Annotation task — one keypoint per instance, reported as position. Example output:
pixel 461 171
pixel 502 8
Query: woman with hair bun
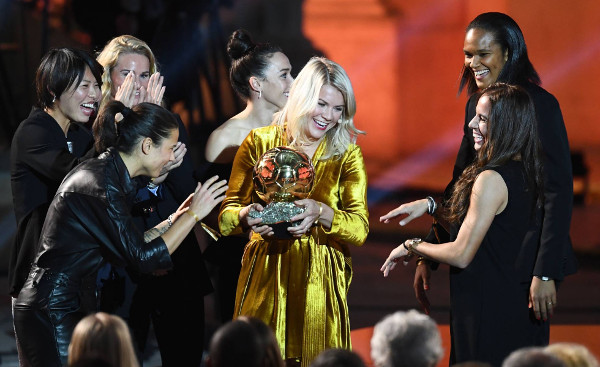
pixel 260 75
pixel 89 223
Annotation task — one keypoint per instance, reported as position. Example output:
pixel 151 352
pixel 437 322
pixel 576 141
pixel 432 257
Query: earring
pixel 259 94
pixel 339 121
pixel 54 99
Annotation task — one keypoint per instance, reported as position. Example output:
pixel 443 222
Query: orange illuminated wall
pixel 404 59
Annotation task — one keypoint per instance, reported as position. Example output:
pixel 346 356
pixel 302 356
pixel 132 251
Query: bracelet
pixel 191 212
pixel 420 260
pixel 151 185
pixel 411 244
pixel 431 205
pixel 316 223
pixel 544 279
pixel 170 220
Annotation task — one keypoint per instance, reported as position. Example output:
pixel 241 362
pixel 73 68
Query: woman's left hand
pixel 183 207
pixel 127 90
pixel 311 213
pixel 397 254
pixel 155 90
pixel 542 298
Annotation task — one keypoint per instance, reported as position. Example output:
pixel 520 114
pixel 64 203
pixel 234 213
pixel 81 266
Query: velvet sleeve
pixel 241 188
pixel 350 223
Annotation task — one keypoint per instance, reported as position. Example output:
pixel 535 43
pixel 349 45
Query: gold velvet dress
pixel 299 286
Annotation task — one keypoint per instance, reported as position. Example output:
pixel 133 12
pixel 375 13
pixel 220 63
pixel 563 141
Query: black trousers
pixel 47 310
pixel 177 318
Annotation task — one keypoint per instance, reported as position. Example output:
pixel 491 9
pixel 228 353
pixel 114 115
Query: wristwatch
pixel 411 244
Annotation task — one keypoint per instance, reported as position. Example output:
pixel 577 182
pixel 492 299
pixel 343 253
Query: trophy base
pixel 280 230
pixel 276 215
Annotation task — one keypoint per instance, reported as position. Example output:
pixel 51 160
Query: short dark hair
pixel 144 120
pixel 337 357
pixel 247 59
pixel 61 68
pixel 236 343
pixel 517 69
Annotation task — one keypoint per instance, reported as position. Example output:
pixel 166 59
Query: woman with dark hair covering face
pixel 131 75
pixel 494 203
pixel 89 223
pixel 495 51
pixel 46 146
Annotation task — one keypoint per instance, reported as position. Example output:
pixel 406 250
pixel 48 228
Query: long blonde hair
pixel 109 56
pixel 303 99
pixel 105 336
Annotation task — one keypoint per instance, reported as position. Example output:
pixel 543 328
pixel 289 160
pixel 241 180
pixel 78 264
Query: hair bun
pixel 240 43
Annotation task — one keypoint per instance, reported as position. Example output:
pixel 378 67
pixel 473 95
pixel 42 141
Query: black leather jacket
pixel 89 222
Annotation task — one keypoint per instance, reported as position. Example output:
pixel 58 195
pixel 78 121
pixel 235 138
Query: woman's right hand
pixel 207 196
pixel 398 254
pixel 414 210
pixel 155 89
pixel 255 223
pixel 126 92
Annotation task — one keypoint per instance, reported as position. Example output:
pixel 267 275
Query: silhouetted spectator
pixel 532 357
pixel 573 354
pixel 236 343
pixel 406 339
pixel 337 357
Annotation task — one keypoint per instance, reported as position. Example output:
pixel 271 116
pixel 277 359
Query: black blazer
pixel 39 160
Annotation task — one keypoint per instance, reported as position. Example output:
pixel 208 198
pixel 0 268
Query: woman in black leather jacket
pixel 89 223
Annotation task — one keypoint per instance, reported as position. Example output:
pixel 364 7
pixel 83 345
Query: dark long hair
pixel 60 69
pixel 517 69
pixel 511 133
pixel 247 59
pixel 144 120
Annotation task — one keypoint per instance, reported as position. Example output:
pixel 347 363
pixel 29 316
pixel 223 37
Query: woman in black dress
pixel 495 202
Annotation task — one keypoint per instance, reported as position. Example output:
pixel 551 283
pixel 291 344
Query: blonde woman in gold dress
pixel 299 286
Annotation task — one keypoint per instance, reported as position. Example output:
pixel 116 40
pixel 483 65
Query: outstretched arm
pixel 413 209
pixel 489 198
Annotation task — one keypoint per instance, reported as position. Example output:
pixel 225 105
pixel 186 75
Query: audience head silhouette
pixel 236 343
pixel 573 354
pixel 100 338
pixel 337 357
pixel 405 339
pixel 532 357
